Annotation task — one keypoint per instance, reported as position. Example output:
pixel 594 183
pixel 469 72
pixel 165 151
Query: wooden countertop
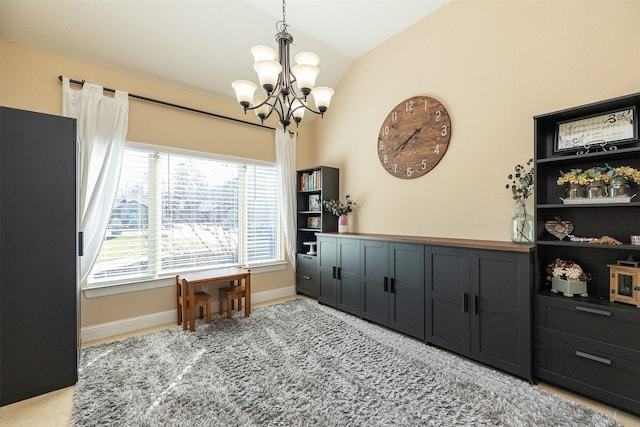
pixel 438 241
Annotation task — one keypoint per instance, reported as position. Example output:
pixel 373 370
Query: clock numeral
pixel 437 149
pixel 385 159
pixel 395 168
pixel 423 164
pixel 409 106
pixel 394 116
pixel 409 171
pixel 445 130
pixel 380 144
pixel 385 131
pixel 438 115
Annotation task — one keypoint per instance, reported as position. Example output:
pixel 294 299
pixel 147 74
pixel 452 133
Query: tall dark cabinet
pixel 314 185
pixel 38 254
pixel 589 345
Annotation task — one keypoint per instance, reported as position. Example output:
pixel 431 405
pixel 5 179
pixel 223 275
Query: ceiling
pixel 204 45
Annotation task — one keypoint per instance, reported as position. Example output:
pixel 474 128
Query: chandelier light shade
pixel 287 88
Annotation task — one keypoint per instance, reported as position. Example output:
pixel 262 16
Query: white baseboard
pixel 132 324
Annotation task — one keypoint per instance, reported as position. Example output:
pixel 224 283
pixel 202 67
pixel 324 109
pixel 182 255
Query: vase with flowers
pixel 620 178
pixel 577 181
pixel 567 277
pixel 341 210
pixel 521 186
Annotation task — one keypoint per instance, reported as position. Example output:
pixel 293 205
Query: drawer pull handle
pixel 306 277
pixel 594 358
pixel 593 310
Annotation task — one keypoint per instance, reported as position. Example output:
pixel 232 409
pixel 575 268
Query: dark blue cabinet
pixel 38 254
pixel 392 277
pixel 478 304
pixel 340 273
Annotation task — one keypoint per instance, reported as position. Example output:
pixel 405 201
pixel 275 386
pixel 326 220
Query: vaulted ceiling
pixel 204 45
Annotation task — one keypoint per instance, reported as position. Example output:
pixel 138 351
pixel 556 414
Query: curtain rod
pixel 169 104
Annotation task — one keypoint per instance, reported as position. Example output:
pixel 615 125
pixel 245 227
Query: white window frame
pixel 104 288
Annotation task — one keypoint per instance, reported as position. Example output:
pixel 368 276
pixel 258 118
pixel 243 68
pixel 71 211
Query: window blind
pixel 177 212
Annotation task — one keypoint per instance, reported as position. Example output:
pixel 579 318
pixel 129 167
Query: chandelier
pixel 287 88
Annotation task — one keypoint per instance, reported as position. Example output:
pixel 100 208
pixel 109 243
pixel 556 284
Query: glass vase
pixel 576 191
pixel 619 187
pixel 596 189
pixel 522 228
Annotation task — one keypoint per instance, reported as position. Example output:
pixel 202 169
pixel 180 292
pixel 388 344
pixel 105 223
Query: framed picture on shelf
pixel 603 131
pixel 313 222
pixel 314 202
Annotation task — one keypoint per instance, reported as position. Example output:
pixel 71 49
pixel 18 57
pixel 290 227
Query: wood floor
pixel 55 409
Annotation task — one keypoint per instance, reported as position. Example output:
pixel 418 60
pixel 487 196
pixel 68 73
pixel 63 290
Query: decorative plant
pixel 574 176
pixel 338 208
pixel 521 182
pixel 597 173
pixel 631 174
pixel 567 270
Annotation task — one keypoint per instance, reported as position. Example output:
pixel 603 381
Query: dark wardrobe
pixel 39 290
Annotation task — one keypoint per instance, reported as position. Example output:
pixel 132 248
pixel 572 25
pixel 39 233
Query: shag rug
pixel 302 364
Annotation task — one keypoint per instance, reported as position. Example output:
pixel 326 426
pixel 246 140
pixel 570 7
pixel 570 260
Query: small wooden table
pixel 209 277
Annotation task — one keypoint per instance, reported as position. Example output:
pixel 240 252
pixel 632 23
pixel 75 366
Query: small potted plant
pixel 341 210
pixel 521 187
pixel 568 277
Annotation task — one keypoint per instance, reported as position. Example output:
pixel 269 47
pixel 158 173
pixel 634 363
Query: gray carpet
pixel 303 364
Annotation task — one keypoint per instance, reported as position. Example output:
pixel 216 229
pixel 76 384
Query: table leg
pixel 192 311
pixel 247 297
pixel 183 289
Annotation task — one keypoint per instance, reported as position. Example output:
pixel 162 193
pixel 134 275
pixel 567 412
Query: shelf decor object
pixel 624 284
pixel 521 186
pixel 600 130
pixel 559 228
pixel 568 278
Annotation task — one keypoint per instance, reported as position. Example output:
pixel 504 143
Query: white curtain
pixel 102 129
pixel 286 166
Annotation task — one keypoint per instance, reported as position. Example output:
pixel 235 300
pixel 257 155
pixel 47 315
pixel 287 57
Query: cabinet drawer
pixel 307 262
pixel 308 282
pixel 618 326
pixel 586 371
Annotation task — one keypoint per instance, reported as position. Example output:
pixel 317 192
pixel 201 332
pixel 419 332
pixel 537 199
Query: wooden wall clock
pixel 414 137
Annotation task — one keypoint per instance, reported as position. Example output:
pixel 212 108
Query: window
pixel 178 211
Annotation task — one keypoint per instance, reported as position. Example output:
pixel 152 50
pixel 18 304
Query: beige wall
pixel 29 79
pixel 494 65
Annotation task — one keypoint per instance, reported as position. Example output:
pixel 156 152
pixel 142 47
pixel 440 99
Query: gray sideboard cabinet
pixel 393 285
pixel 339 273
pixel 478 304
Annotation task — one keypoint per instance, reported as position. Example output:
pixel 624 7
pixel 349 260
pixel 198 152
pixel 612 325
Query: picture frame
pixel 314 202
pixel 313 222
pixel 603 130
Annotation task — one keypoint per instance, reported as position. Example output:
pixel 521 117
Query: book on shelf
pixel 310 180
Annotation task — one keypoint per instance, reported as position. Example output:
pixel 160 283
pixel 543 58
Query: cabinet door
pixel 348 275
pixel 38 255
pixel 328 265
pixel 500 320
pixel 406 288
pixel 447 298
pixel 374 281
